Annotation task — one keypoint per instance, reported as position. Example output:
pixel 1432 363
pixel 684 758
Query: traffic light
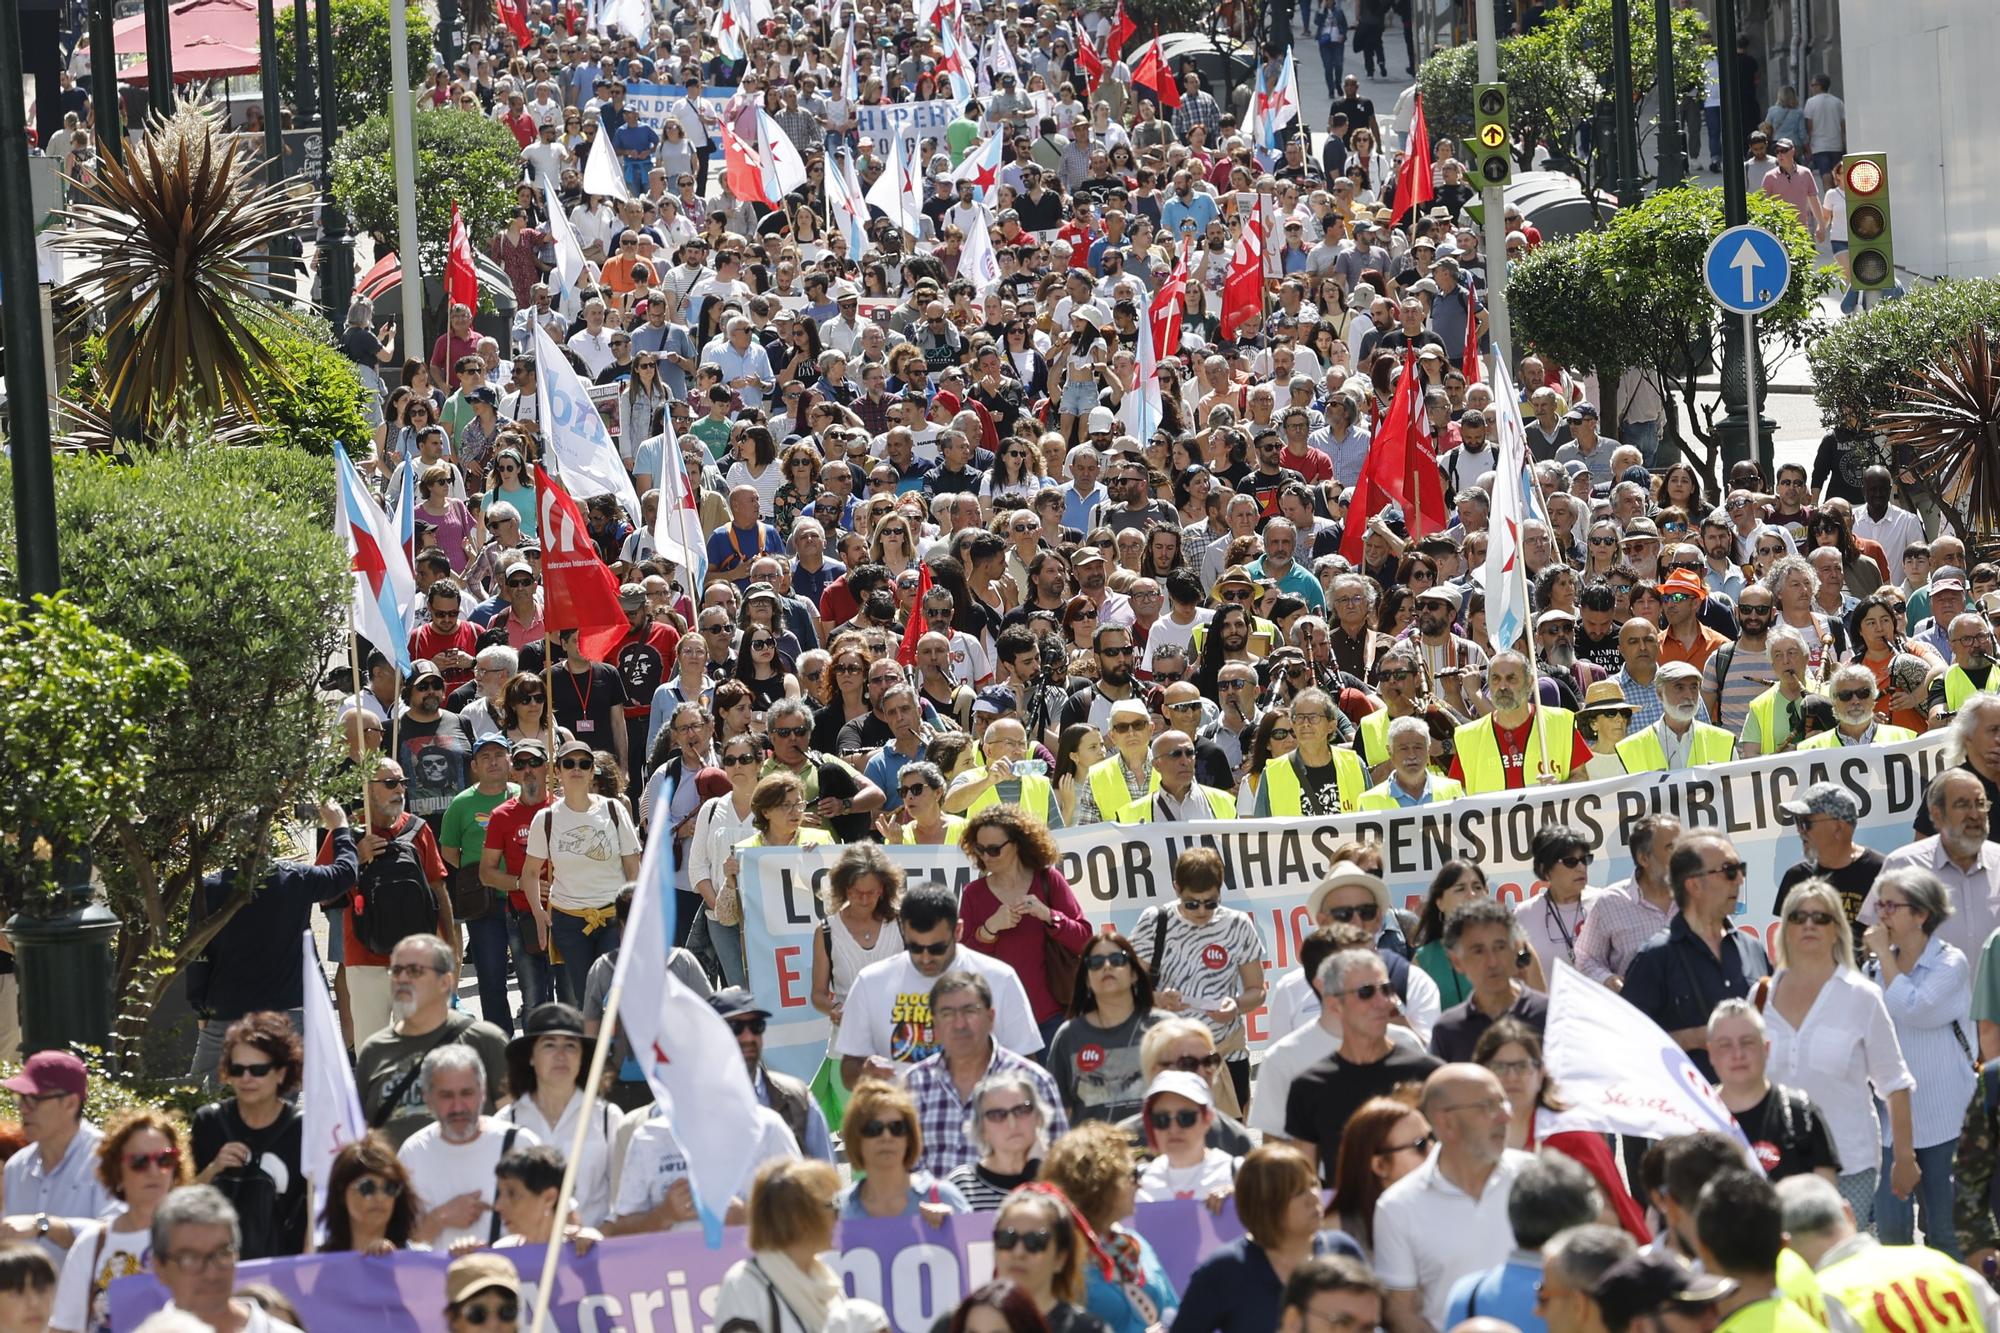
pixel 1492 143
pixel 1871 254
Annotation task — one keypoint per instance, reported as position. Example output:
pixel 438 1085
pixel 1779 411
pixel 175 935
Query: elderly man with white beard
pixel 1677 741
pixel 1852 689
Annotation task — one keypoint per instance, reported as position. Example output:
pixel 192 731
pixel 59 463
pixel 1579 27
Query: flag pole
pixel 1547 773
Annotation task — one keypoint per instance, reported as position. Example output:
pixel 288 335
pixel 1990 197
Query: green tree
pixel 1632 295
pixel 1861 365
pixel 462 156
pixel 226 559
pixel 76 702
pixel 361 70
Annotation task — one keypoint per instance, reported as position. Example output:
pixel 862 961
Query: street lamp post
pixel 1740 356
pixel 159 57
pixel 1672 168
pixel 336 244
pixel 1624 115
pixel 104 81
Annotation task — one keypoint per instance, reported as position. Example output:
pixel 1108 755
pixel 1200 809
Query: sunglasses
pixel 534 698
pixel 501 1312
pixel 521 583
pixel 390 1189
pixel 577 765
pixel 937 950
pixel 1575 860
pixel 1728 870
pixel 895 1129
pixel 260 1070
pixel 754 1026
pixel 1201 904
pixel 1098 962
pixel 1281 733
pixel 1034 1242
pixel 1196 1064
pixel 1364 912
pixel 1422 1145
pixel 991 848
pixel 763 643
pixel 165 1160
pixel 1803 917
pixel 1168 1119
pixel 999 1115
pixel 391 783
pixel 1370 990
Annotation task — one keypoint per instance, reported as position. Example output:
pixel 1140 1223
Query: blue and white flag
pixel 1516 501
pixel 574 434
pixel 329 1108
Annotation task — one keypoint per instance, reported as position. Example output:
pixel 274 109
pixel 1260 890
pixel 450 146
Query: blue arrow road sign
pixel 1747 270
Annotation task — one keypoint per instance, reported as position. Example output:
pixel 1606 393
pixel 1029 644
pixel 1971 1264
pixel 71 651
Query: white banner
pixel 905 120
pixel 1120 870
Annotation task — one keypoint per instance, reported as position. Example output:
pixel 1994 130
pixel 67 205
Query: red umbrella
pixel 211 39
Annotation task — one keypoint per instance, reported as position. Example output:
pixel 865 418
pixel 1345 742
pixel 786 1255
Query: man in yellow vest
pixel 1852 689
pixel 1739 1233
pixel 1399 680
pixel 1851 1267
pixel 1124 775
pixel 1677 741
pixel 1318 777
pixel 1177 796
pixel 1522 742
pixel 1410 781
pixel 1972 671
pixel 1005 745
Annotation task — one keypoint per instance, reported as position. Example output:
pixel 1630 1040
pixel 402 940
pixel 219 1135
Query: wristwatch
pixel 41 1226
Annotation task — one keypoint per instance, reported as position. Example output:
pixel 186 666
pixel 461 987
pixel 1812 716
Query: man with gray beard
pixel 1677 741
pixel 423 976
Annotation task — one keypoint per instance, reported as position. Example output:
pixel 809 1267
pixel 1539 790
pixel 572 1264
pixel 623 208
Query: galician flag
pixel 570 263
pixel 573 431
pixel 1516 500
pixel 892 191
pixel 977 263
pixel 850 70
pixel 982 167
pixel 953 66
pixel 384 586
pixel 1141 409
pixel 329 1108
pixel 846 208
pixel 780 167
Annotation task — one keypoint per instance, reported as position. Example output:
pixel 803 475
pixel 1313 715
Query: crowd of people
pixel 965 586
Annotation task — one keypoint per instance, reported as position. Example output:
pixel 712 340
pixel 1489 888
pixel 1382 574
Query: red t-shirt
pixel 428 643
pixel 507 830
pixel 1313 465
pixel 435 870
pixel 1513 742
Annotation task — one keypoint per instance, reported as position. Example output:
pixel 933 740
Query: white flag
pixel 1141 410
pixel 690 1057
pixel 784 170
pixel 570 263
pixel 603 174
pixel 1619 1073
pixel 329 1109
pixel 1516 500
pixel 677 533
pixel 846 209
pixel 573 433
pixel 977 263
pixel 890 192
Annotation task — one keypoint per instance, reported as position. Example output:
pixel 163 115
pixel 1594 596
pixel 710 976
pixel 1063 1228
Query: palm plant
pixel 1946 432
pixel 170 244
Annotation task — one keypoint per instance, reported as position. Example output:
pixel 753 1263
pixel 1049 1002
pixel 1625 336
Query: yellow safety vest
pixel 1286 789
pixel 1903 1289
pixel 1375 737
pixel 1800 1284
pixel 1764 712
pixel 1035 793
pixel 1646 753
pixel 1379 797
pixel 1773 1314
pixel 1141 810
pixel 1884 735
pixel 1109 788
pixel 1958 686
pixel 953 826
pixel 1479 749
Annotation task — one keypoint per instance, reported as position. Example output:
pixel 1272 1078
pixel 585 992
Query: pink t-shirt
pixel 1795 188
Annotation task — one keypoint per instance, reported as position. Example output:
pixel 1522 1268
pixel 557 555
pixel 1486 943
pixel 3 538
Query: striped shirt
pixel 1750 674
pixel 942 1113
pixel 1619 924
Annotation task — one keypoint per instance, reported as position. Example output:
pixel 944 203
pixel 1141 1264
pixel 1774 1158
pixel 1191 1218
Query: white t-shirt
pixel 89 1270
pixel 1160 1182
pixel 654 1161
pixel 441 1171
pixel 970 664
pixel 1429 1233
pixel 888 1010
pixel 1200 960
pixel 588 845
pixel 1170 633
pixel 593 1175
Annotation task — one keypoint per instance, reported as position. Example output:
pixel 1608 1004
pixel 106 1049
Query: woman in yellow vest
pixel 922 821
pixel 1772 723
pixel 1318 777
pixel 1110 785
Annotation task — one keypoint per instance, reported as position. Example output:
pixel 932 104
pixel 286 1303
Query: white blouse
pixel 1843 1056
pixel 1926 1003
pixel 717 830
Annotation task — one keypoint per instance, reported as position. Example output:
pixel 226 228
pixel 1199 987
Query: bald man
pixel 733 551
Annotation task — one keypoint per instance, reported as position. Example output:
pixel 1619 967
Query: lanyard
pixel 582 692
pixel 1562 929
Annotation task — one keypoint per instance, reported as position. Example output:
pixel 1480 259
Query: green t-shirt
pixel 714 434
pixel 959 136
pixel 465 822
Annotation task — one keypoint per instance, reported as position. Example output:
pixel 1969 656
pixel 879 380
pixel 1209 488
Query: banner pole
pixel 1547 772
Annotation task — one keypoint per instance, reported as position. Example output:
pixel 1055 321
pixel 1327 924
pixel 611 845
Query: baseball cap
pixel 1947 577
pixel 632 596
pixel 474 1273
pixel 423 669
pixel 1102 419
pixel 1442 592
pixel 1824 798
pixel 995 699
pixel 737 1002
pixel 1677 671
pixel 1582 410
pixel 1182 1084
pixel 47 1073
pixel 531 748
pixel 492 738
pixel 568 748
pixel 1644 1282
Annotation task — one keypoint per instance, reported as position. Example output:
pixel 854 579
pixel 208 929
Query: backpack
pixel 395 899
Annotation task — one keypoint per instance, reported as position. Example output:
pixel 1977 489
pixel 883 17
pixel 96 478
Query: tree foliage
pixel 226 559
pixel 462 156
pixel 75 747
pixel 361 70
pixel 1632 295
pixel 1861 364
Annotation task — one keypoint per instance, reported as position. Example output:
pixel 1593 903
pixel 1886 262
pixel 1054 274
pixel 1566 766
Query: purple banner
pixel 667 1282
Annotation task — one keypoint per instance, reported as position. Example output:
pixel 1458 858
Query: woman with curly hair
pixel 1020 902
pixel 141 1157
pixel 801 485
pixel 1094 1168
pixel 234 1138
pixel 371 1207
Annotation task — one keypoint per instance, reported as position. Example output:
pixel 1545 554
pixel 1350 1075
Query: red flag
pixel 1413 178
pixel 579 590
pixel 1087 59
pixel 1469 360
pixel 1122 28
pixel 920 624
pixel 510 14
pixel 461 279
pixel 1402 469
pixel 1152 74
pixel 1168 308
pixel 744 171
pixel 1243 284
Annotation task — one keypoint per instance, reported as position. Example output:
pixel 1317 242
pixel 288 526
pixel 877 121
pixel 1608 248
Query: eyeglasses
pixel 1034 1242
pixel 389 1189
pixel 1575 860
pixel 1360 912
pixel 1196 1064
pixel 165 1160
pixel 1804 917
pixel 895 1129
pixel 999 1115
pixel 1422 1145
pixel 212 1262
pixel 260 1070
pixel 1199 905
pixel 1169 1119
pixel 503 1311
pixel 1731 870
pixel 411 971
pixel 754 1026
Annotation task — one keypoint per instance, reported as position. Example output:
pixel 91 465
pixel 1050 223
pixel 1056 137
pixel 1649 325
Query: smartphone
pixel 757 724
pixel 1031 768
